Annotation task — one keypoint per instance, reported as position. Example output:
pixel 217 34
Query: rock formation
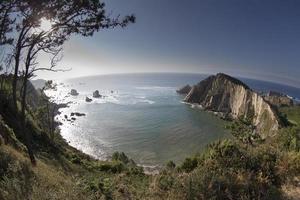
pixel 278 99
pixel 88 99
pixel 74 92
pixel 234 99
pixel 77 114
pixel 96 94
pixel 184 90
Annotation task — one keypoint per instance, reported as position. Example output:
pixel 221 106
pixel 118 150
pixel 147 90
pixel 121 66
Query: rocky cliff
pixel 234 99
pixel 184 90
pixel 278 99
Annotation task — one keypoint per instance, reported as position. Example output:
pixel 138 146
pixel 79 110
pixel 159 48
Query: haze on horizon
pixel 254 38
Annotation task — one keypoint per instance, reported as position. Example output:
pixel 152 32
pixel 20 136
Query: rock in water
pixel 231 97
pixel 88 99
pixel 74 92
pixel 96 94
pixel 77 114
pixel 184 90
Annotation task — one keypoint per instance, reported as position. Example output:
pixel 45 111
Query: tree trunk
pixel 15 79
pixel 49 119
pixel 27 134
pixel 17 56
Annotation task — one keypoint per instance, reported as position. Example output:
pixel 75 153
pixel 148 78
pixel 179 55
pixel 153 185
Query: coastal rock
pixel 96 94
pixel 77 114
pixel 234 99
pixel 277 99
pixel 88 99
pixel 74 92
pixel 184 90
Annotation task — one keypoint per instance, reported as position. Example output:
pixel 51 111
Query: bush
pixel 165 181
pixel 289 139
pixel 76 159
pixel 189 164
pixel 114 167
pixel 170 165
pixel 120 157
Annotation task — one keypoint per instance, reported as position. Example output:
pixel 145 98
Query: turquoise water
pixel 143 116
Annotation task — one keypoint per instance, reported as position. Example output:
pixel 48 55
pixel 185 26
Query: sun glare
pixel 45 25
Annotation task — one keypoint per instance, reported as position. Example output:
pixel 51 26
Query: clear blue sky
pixel 250 38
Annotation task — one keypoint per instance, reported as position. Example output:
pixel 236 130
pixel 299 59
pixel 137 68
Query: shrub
pixel 114 167
pixel 117 156
pixel 76 159
pixel 289 139
pixel 189 164
pixel 165 181
pixel 171 165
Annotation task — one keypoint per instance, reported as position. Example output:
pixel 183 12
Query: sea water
pixel 141 115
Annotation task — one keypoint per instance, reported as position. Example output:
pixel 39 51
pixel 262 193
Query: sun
pixel 45 25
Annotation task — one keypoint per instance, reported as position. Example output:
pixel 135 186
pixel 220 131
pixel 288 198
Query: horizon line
pixel 166 72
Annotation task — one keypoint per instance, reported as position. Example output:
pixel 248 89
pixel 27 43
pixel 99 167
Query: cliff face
pixel 234 99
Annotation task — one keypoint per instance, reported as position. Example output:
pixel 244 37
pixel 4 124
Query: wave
pixel 193 105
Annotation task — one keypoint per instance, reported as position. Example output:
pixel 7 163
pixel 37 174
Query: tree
pixel 68 17
pixel 6 9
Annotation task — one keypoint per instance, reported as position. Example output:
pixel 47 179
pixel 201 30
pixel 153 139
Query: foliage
pixel 189 164
pixel 120 156
pixel 16 176
pixel 292 113
pixel 244 131
pixel 170 165
pixel 289 139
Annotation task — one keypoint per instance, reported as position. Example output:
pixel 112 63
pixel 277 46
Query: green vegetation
pixel 292 113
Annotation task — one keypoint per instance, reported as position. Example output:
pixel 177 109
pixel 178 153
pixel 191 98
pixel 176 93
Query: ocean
pixel 141 115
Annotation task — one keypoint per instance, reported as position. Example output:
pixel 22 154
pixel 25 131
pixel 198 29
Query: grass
pixel 292 114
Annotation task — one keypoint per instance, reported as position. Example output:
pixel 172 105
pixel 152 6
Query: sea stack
pixel 234 99
pixel 88 99
pixel 96 94
pixel 74 92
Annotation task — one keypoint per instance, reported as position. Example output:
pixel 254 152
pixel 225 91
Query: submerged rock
pixel 96 94
pixel 88 99
pixel 74 92
pixel 231 97
pixel 184 90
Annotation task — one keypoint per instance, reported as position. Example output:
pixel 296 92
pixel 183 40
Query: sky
pixel 246 38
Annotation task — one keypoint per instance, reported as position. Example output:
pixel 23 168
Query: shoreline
pixel 148 169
